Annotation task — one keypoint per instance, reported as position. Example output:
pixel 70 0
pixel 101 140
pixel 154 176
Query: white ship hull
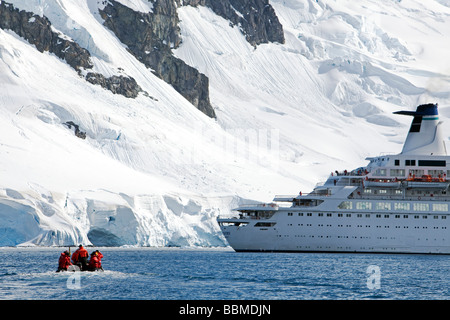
pixel 332 231
pixel 396 204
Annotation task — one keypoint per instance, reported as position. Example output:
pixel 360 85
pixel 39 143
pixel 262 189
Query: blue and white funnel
pixel 424 136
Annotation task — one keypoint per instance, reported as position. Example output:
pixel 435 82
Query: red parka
pixel 99 256
pixel 80 253
pixel 94 263
pixel 64 261
pixel 96 260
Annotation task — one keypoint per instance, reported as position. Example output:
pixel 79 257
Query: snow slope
pixel 157 171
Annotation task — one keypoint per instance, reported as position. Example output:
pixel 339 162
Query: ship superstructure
pixel 396 204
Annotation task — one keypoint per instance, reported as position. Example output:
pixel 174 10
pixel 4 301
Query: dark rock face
pixel 125 86
pixel 80 134
pixel 256 18
pixel 37 30
pixel 150 38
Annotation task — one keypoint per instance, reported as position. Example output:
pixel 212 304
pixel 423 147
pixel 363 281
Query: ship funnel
pixel 424 136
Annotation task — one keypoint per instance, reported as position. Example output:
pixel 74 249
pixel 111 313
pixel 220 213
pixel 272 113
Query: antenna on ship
pixel 424 136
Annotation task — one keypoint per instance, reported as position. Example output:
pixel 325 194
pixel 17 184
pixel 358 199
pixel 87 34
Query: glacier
pixel 154 170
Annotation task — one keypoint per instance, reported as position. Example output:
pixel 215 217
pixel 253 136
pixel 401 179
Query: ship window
pixel 345 205
pixel 401 206
pixel 410 162
pixel 421 207
pixel 417 173
pixel 382 206
pixel 265 224
pixel 363 205
pixel 440 207
pixel 397 172
pixel 397 162
pixel 436 173
pixel 309 202
pixel 432 163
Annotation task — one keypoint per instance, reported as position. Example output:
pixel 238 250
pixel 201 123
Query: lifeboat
pixel 382 183
pixel 426 181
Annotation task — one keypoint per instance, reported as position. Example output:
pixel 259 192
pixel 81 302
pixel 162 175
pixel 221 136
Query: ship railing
pixel 259 216
pixel 291 198
pixel 280 198
pixel 260 205
pixel 230 217
pixel 285 198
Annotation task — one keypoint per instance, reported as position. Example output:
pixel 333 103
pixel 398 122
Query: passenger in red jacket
pixel 64 261
pixel 80 257
pixel 95 263
pixel 99 256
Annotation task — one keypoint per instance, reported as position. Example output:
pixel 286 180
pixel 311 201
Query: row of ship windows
pixel 344 248
pixel 354 237
pixel 378 249
pixel 366 226
pixel 366 205
pixel 367 215
pixel 417 172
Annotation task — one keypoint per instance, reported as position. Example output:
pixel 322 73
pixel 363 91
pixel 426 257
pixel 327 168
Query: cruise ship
pixel 396 204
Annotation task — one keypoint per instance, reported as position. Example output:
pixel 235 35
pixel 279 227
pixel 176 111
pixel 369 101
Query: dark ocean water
pixel 222 274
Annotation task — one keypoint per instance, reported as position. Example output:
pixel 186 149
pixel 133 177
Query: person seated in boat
pixel 95 263
pixel 64 261
pixel 80 257
pixel 99 256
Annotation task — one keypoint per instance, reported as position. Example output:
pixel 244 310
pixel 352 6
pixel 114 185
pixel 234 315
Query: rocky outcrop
pixel 256 18
pixel 125 86
pixel 150 37
pixel 37 30
pixel 80 134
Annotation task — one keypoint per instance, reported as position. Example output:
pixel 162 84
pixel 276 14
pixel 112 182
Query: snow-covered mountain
pixel 158 156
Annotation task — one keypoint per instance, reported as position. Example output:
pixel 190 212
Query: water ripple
pixel 218 274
